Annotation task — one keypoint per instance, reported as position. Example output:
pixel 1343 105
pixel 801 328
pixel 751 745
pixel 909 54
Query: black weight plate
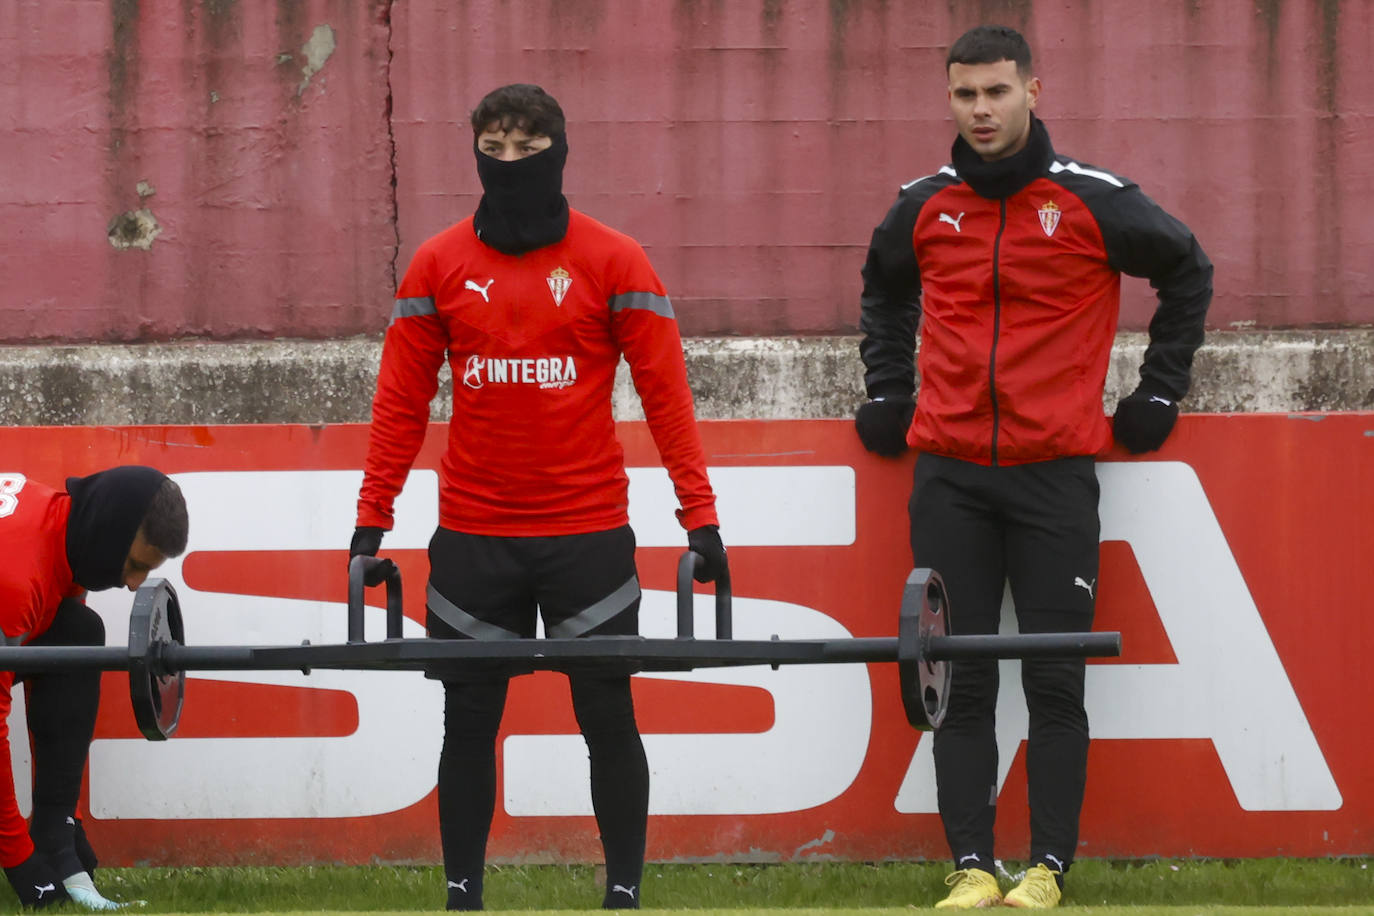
pixel 935 675
pixel 924 683
pixel 157 695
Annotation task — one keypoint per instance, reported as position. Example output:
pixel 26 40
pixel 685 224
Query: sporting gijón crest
pixel 559 281
pixel 1049 216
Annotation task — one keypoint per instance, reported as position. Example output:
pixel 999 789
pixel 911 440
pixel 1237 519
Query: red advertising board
pixel 1236 722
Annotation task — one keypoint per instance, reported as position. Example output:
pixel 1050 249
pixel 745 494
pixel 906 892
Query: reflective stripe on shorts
pixel 462 621
pixel 592 617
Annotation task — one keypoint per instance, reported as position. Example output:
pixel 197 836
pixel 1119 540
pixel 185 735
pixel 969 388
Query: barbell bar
pixel 157 657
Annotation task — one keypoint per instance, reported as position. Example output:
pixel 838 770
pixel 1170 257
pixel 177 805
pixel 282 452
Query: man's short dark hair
pixel 520 106
pixel 988 44
pixel 165 524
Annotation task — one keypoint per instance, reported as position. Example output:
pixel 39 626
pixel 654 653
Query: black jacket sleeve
pixel 891 302
pixel 1142 240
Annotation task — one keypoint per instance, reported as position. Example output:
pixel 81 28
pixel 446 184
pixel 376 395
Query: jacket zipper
pixel 996 325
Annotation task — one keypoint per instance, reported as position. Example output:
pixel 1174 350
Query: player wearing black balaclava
pixel 522 206
pixel 534 305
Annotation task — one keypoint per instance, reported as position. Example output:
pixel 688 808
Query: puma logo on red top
pixel 468 284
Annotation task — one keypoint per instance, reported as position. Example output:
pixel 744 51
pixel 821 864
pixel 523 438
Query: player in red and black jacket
pixel 1010 260
pixel 106 530
pixel 533 304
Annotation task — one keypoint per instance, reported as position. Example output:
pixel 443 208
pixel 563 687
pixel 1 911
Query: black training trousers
pixel 61 713
pixel 1035 527
pixel 485 587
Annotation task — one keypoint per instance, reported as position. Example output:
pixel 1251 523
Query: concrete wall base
pixel 284 381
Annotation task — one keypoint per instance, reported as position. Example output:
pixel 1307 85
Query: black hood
pixel 107 510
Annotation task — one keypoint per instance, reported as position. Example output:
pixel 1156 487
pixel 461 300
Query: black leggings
pixel 492 587
pixel 1034 526
pixel 467 776
pixel 61 712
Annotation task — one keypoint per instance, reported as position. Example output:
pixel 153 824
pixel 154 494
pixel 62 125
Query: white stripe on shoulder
pixel 1088 173
pixel 944 170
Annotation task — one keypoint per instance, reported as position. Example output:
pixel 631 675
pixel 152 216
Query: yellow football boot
pixel 971 888
pixel 1039 890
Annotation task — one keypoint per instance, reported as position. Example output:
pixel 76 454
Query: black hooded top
pixel 108 508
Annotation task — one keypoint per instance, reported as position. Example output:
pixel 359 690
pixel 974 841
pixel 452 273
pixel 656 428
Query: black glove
pixel 882 424
pixel 35 882
pixel 1144 420
pixel 367 540
pixel 705 541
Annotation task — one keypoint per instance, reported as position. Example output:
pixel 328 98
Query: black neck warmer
pixel 523 207
pixel 1004 177
pixel 107 510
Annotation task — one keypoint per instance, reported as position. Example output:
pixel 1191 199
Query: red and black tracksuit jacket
pixel 1020 288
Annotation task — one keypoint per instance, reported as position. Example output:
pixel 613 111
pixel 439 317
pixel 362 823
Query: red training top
pixel 36 579
pixel 533 341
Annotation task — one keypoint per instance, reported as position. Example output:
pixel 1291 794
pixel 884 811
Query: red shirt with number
pixel 533 341
pixel 35 579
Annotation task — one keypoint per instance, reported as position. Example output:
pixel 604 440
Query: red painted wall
pixel 750 146
pixel 272 192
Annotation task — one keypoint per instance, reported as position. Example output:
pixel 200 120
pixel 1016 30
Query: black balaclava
pixel 523 207
pixel 1004 177
pixel 107 511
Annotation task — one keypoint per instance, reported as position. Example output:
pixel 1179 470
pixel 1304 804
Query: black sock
pixel 1054 864
pixel 620 896
pixel 53 830
pixel 465 893
pixel 84 852
pixel 976 860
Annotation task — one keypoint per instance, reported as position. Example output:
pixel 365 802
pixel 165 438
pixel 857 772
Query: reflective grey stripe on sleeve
pixel 462 621
pixel 408 308
pixel 14 640
pixel 594 616
pixel 659 305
